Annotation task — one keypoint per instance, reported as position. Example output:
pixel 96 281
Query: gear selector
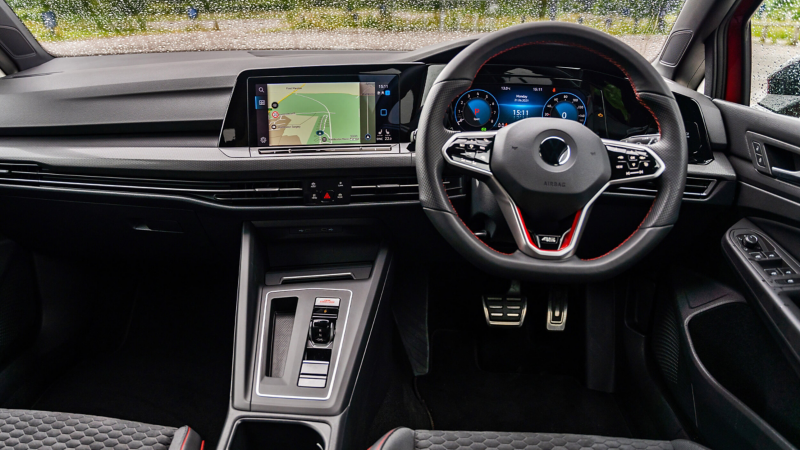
pixel 321 331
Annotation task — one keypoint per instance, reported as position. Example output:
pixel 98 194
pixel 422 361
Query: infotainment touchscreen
pixel 323 111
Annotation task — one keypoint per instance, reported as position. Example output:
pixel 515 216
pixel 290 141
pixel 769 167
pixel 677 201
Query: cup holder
pixel 265 435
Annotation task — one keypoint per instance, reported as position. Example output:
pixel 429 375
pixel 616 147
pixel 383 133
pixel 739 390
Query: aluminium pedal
pixel 557 303
pixel 507 310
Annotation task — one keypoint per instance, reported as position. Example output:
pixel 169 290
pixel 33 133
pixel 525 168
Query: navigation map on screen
pixel 318 113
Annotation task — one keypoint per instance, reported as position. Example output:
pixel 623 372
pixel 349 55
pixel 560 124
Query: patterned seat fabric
pixel 42 430
pixel 405 439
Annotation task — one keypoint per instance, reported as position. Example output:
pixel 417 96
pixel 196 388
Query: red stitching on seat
pixel 385 437
pixel 185 438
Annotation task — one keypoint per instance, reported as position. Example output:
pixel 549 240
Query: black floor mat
pixel 461 396
pixel 172 369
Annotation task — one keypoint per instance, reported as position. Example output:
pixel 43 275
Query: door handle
pixel 791 175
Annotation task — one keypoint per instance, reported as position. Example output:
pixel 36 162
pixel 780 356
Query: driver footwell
pixel 462 395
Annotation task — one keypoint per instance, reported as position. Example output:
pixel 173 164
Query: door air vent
pixel 397 189
pixel 695 188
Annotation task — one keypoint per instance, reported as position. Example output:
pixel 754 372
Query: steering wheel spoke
pixel 632 162
pixel 537 239
pixel 470 151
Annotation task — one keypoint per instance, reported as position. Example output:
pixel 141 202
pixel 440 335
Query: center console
pixel 311 323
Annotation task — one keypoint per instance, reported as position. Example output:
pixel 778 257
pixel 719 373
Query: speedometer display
pixel 502 95
pixel 476 110
pixel 565 105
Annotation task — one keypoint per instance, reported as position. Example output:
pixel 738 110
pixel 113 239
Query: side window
pixel 775 65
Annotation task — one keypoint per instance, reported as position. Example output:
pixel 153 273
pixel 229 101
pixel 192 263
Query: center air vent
pixel 396 189
pixel 272 192
pixel 235 193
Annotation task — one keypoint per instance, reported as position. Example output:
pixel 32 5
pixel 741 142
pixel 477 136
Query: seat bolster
pixel 186 439
pixel 397 439
pixel 682 444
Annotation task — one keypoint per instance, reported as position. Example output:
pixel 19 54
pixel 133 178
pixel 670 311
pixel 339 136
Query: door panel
pixel 758 362
pixel 742 124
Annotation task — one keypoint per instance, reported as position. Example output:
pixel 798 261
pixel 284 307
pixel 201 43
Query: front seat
pixel 22 429
pixel 407 439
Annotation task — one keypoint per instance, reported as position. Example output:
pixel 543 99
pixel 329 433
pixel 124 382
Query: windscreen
pixel 94 27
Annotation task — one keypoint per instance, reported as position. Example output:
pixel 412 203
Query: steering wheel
pixel 546 173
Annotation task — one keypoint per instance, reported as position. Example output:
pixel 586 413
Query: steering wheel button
pixel 482 157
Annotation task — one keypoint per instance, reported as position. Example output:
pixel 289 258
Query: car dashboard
pixel 200 128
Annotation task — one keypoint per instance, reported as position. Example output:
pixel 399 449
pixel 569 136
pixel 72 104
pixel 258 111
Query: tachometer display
pixel 566 106
pixel 476 110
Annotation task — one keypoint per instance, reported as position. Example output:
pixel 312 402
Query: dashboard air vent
pixel 269 193
pixel 396 189
pixel 695 188
pixel 272 192
pixel 20 172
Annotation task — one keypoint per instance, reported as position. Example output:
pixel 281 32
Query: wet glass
pixel 93 27
pixel 775 83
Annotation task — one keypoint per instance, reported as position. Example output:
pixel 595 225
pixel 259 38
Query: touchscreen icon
pixel 275 114
pixel 261 90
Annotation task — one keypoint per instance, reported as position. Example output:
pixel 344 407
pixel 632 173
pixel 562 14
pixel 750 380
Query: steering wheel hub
pixel 550 167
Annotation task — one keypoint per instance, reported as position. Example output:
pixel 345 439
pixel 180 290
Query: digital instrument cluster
pixel 502 95
pixel 494 107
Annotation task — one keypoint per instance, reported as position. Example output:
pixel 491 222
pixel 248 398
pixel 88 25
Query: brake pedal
pixel 557 309
pixel 507 310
